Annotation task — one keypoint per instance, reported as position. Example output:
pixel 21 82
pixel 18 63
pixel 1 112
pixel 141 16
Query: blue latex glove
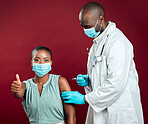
pixel 82 80
pixel 73 97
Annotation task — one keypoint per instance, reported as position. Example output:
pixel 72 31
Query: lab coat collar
pixel 111 26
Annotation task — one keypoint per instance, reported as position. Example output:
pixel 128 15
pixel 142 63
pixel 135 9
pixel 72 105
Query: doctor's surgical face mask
pixel 91 32
pixel 41 69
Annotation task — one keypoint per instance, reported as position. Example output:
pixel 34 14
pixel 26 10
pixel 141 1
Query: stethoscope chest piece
pixel 99 58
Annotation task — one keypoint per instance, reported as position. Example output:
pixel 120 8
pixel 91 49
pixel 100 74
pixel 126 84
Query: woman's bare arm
pixel 69 108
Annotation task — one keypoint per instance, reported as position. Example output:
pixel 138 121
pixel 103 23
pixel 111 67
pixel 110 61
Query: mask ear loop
pixel 96 23
pixel 100 25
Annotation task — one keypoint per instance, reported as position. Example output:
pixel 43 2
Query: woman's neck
pixel 41 80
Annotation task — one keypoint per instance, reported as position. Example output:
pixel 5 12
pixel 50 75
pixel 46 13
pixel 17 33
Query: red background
pixel 25 24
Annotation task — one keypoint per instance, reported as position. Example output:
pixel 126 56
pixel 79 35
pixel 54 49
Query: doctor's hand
pixel 82 80
pixel 73 97
pixel 15 86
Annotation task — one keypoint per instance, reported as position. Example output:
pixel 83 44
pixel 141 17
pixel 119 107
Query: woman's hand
pixel 18 88
pixel 15 86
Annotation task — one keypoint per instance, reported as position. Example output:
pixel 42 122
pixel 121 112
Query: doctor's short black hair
pixel 94 6
pixel 41 48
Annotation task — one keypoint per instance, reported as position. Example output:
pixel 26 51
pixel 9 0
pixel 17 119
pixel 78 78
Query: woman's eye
pixel 46 60
pixel 36 60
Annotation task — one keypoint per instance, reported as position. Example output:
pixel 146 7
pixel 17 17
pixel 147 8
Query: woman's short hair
pixel 41 48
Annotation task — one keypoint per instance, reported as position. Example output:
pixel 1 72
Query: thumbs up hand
pixel 15 86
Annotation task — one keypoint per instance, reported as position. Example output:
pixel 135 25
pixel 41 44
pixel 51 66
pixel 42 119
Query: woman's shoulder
pixel 54 76
pixel 63 84
pixel 62 79
pixel 27 81
pixel 59 77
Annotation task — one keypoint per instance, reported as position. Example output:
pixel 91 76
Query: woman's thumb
pixel 18 79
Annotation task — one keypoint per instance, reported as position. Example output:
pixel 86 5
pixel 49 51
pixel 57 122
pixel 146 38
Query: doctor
pixel 111 84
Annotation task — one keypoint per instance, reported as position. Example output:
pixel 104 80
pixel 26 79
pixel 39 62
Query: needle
pixel 77 78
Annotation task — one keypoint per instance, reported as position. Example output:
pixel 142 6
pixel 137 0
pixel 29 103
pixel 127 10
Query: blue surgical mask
pixel 41 69
pixel 91 32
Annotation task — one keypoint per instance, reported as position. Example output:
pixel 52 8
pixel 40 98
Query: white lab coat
pixel 113 92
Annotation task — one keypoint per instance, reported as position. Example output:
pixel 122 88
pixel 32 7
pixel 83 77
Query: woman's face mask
pixel 41 62
pixel 41 69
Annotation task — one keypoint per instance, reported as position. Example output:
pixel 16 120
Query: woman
pixel 42 94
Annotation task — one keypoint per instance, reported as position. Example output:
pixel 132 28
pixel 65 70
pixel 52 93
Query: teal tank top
pixel 47 108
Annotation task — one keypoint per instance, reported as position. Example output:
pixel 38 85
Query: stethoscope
pixel 98 58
